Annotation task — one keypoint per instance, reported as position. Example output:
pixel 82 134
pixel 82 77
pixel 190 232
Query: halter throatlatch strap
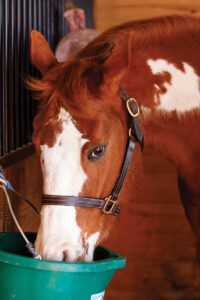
pixel 109 205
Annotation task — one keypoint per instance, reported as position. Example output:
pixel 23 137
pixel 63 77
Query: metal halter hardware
pixel 109 205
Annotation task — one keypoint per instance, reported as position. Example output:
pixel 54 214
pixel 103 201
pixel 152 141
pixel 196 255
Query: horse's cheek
pixel 92 221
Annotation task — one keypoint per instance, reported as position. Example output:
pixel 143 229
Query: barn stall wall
pixel 153 233
pixel 113 12
pixel 17 108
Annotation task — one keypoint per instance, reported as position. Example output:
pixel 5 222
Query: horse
pixel 82 126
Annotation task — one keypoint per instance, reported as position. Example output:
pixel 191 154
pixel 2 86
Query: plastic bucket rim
pixel 54 266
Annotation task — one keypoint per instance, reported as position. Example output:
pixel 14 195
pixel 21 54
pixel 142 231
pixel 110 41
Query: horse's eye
pixel 97 152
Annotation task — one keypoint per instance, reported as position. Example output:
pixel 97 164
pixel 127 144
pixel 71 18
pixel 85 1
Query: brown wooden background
pixel 154 235
pixel 26 177
pixel 109 13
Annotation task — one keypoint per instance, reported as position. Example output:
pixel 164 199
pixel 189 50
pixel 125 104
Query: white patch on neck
pixel 90 244
pixel 145 110
pixel 182 93
pixel 63 175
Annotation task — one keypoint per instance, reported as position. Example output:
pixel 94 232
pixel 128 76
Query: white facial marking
pixel 62 170
pixel 90 243
pixel 182 93
pixel 63 175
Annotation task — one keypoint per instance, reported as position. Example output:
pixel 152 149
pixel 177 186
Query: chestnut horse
pixel 81 129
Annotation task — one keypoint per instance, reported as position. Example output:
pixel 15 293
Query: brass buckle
pixel 108 202
pixel 130 110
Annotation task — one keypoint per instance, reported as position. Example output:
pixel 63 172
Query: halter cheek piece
pixel 109 205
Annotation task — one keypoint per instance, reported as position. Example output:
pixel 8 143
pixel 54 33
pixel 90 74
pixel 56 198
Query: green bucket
pixel 23 278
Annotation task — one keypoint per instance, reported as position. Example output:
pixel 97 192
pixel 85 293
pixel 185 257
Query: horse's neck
pixel 176 139
pixel 169 99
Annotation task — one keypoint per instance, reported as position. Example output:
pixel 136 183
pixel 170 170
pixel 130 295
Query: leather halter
pixel 109 205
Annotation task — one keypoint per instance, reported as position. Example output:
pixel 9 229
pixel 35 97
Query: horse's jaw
pixel 59 237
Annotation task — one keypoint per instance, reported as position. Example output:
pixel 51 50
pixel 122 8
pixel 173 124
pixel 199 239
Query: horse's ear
pixel 118 62
pixel 41 55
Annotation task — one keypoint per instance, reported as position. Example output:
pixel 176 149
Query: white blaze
pixel 63 175
pixel 62 170
pixel 182 92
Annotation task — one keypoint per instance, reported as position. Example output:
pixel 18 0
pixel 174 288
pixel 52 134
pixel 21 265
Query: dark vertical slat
pixel 62 17
pixel 33 15
pixel 36 72
pixel 21 71
pixel 39 12
pixel 27 11
pixel 41 17
pixel 65 23
pixel 17 102
pixel 47 21
pixel 24 70
pixel 1 70
pixel 4 75
pixel 10 83
pixel 33 70
pixel 38 26
pixel 52 23
pixel 56 24
pixel 58 21
pixel 44 18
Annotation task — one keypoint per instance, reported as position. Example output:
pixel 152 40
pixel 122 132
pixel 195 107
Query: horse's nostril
pixel 69 256
pixel 73 256
pixel 65 256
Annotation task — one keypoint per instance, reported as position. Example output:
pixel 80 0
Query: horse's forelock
pixel 67 80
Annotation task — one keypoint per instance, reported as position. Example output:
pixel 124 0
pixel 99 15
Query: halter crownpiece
pixel 109 205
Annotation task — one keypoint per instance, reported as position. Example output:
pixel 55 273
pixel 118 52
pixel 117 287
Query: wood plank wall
pixel 108 13
pixel 26 177
pixel 154 234
pixel 157 240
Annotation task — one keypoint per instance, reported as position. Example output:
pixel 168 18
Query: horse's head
pixel 80 133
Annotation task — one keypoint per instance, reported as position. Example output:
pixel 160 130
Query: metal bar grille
pixel 17 18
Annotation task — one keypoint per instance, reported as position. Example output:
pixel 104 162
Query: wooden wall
pixel 26 177
pixel 154 234
pixel 109 13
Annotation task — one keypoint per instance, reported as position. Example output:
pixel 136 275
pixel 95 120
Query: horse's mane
pixel 87 67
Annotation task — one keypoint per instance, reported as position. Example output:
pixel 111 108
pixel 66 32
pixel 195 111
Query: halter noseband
pixel 109 205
